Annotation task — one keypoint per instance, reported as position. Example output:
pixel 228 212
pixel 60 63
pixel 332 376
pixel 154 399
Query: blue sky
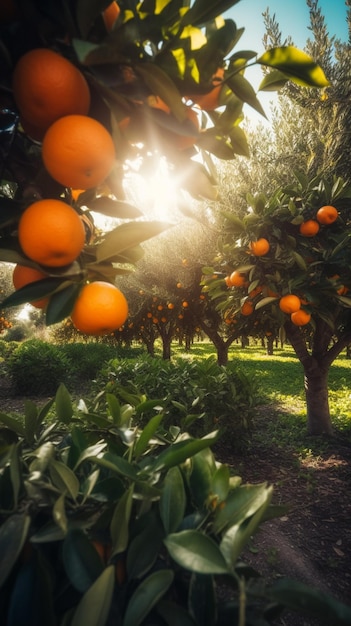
pixel 293 19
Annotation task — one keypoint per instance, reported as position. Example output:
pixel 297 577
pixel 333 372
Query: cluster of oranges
pixel 53 99
pixel 325 216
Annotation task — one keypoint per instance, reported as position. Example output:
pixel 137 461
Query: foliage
pixel 315 270
pixel 312 125
pixel 168 51
pixel 37 368
pixel 105 523
pixel 195 395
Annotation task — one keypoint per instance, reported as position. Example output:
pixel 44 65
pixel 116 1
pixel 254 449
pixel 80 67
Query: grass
pixel 281 386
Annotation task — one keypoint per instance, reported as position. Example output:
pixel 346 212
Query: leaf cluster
pixel 105 522
pixel 314 268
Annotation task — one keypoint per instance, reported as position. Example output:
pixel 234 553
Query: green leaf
pixel 202 600
pixel 118 464
pixel 15 473
pixel 296 64
pixel 30 420
pixel 200 479
pixel 302 598
pixel 94 607
pixel 273 81
pixel 235 539
pixel 240 504
pixel 32 292
pixel 173 500
pixel 128 236
pixel 114 208
pixel 144 549
pixel 146 596
pixel 202 11
pixel 64 478
pixel 59 513
pixel 244 90
pixel 221 482
pixel 13 424
pixel 81 560
pixel 63 404
pixel 91 453
pixel 146 434
pixel 174 614
pixel 179 452
pixel 239 141
pixel 160 84
pixel 61 304
pixel 196 552
pixel 13 534
pixel 119 527
pixel 114 408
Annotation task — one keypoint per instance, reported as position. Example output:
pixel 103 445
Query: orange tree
pixel 145 71
pixel 300 280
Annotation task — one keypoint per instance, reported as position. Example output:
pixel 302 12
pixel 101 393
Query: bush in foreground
pixel 106 523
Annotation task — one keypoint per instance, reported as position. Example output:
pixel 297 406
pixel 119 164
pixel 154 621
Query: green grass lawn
pixel 280 379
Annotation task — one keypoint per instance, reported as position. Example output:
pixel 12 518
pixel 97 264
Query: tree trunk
pixel 316 392
pixel 270 345
pixel 166 347
pixel 316 368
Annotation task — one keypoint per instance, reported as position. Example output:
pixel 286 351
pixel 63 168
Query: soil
pixel 311 541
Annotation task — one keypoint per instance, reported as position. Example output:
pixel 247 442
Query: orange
pixel 289 303
pixel 309 228
pixel 78 152
pixel 259 247
pixel 237 279
pixel 23 275
pixel 170 305
pixel 46 86
pixel 185 304
pixel 99 309
pixel 327 214
pixel 247 308
pixel 211 100
pixel 110 15
pixel 300 317
pixel 51 233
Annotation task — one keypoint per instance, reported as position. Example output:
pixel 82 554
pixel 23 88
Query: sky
pixel 293 19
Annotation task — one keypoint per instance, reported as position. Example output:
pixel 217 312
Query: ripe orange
pixel 110 15
pixel 78 152
pixel 289 303
pixel 327 214
pixel 260 247
pixel 51 233
pixel 309 228
pixel 185 304
pixel 300 317
pixel 170 305
pixel 46 87
pixel 211 100
pixel 237 279
pixel 247 308
pixel 23 275
pixel 99 309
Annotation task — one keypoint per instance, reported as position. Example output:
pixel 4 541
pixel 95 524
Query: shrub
pixel 196 395
pixel 37 368
pixel 113 524
pixel 85 359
